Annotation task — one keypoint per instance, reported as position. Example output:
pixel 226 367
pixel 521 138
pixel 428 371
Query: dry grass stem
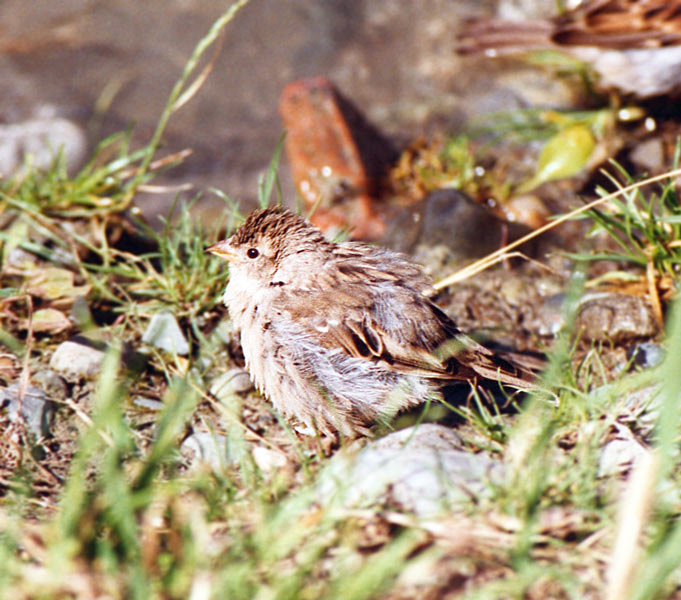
pixel 634 508
pixel 494 257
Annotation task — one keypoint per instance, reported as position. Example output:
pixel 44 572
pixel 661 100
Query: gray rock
pixel 420 469
pixel 520 87
pixel 646 355
pixel 225 331
pixel 550 318
pixel 268 460
pixel 234 381
pixel 450 219
pixel 218 451
pixel 603 316
pixel 164 333
pixel 148 403
pixel 206 447
pixel 615 318
pixel 649 155
pixel 50 382
pixel 428 436
pixel 36 409
pixel 81 314
pixel 41 139
pixel 74 360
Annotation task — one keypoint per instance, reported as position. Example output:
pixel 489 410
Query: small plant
pixel 76 242
pixel 647 228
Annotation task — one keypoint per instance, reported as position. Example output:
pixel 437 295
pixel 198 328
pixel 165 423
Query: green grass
pixel 645 226
pixel 130 519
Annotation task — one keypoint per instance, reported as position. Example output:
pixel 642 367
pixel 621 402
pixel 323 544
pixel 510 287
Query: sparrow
pixel 342 335
pixel 633 45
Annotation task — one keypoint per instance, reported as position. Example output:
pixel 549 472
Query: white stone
pixel 268 460
pixel 74 360
pixel 164 333
pixel 422 472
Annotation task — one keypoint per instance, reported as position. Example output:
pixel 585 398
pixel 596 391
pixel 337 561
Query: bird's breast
pixel 250 309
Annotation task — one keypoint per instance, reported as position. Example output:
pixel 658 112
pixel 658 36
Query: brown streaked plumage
pixel 340 336
pixel 634 45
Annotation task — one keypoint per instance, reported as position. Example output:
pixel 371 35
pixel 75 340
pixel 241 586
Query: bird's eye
pixel 252 253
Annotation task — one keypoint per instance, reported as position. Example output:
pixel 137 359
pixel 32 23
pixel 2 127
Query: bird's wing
pixel 622 24
pixel 381 315
pixel 608 24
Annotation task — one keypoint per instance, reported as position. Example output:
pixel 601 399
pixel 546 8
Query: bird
pixel 341 336
pixel 633 45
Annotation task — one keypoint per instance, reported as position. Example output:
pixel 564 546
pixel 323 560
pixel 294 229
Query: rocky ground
pixel 137 460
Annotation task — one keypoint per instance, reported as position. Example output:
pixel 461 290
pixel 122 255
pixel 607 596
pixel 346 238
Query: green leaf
pixel 564 155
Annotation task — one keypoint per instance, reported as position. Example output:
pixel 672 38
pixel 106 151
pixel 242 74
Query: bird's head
pixel 269 242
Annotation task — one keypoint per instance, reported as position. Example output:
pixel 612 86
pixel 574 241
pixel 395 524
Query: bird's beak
pixel 223 250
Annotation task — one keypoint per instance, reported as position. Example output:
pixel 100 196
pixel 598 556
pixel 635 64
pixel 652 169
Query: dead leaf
pixel 53 283
pixel 49 320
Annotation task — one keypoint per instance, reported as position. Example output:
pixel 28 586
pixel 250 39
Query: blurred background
pixel 104 66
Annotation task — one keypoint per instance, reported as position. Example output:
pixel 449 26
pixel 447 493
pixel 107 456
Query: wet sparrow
pixel 341 335
pixel 634 45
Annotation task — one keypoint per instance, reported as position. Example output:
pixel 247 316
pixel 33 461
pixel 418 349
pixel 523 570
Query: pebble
pixel 148 403
pixel 646 354
pixel 36 409
pixel 211 449
pixel 234 381
pixel 419 468
pixel 164 332
pixel 42 139
pixel 206 447
pixel 74 360
pixel 615 317
pixel 550 317
pixel 528 210
pixel 426 436
pixel 225 331
pixel 268 460
pixel 649 155
pixel 50 382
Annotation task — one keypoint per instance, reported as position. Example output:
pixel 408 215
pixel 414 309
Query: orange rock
pixel 527 210
pixel 326 159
